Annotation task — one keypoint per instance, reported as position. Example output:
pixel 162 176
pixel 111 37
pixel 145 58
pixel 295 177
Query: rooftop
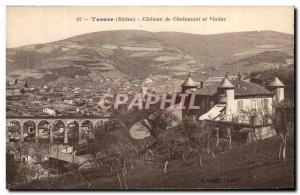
pixel 219 79
pixel 189 82
pixel 225 84
pixel 276 83
pixel 241 88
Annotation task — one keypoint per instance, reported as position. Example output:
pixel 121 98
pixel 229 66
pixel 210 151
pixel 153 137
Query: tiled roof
pixel 209 90
pixel 247 88
pixel 219 79
pixel 241 88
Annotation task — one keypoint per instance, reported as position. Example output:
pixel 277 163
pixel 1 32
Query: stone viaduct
pixel 52 122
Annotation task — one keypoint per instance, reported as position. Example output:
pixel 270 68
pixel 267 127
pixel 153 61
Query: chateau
pixel 235 100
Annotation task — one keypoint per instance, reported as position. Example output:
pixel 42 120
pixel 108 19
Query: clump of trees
pixel 115 159
pixel 279 118
pixel 24 163
pixel 157 121
pixel 176 139
pixel 113 151
pixel 173 140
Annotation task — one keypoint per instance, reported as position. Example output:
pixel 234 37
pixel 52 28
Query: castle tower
pixel 226 95
pixel 277 87
pixel 189 83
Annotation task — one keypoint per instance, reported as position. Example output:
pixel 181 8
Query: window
pixel 253 104
pixel 260 103
pixel 240 105
pixel 266 103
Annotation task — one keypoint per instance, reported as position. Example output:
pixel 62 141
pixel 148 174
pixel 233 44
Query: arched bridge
pixel 52 128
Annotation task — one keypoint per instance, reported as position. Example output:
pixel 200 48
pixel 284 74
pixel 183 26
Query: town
pixel 130 109
pixel 63 122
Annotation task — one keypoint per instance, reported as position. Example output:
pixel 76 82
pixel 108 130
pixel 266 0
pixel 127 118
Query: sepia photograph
pixel 150 98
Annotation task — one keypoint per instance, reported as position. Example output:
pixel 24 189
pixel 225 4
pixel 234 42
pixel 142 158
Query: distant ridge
pixel 121 53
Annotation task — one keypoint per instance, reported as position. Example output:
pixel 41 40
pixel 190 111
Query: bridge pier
pixel 7 136
pixel 51 121
pixel 80 139
pixel 51 133
pixel 36 134
pixel 66 136
pixel 22 133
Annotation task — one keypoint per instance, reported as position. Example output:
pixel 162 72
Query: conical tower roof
pixel 226 84
pixel 189 82
pixel 276 83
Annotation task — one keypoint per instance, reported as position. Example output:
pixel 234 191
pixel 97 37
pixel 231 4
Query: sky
pixel 33 24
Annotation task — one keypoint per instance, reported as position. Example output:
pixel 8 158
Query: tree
pixel 18 154
pixel 114 150
pixel 281 118
pixel 11 169
pixel 203 138
pixel 118 155
pixel 170 140
pixel 189 128
pixel 26 85
pixel 156 121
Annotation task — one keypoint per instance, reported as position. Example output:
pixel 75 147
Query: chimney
pixel 239 77
pixel 227 75
pixel 201 84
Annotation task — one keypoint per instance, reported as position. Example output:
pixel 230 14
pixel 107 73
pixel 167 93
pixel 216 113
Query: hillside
pixel 285 74
pixel 220 48
pixel 120 54
pixel 242 167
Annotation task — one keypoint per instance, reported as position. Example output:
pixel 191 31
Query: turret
pixel 277 87
pixel 189 83
pixel 226 95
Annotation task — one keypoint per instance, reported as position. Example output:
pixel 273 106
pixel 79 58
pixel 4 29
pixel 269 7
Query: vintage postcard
pixel 168 98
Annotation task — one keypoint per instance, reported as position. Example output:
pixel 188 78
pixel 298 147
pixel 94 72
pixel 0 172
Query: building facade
pixel 234 100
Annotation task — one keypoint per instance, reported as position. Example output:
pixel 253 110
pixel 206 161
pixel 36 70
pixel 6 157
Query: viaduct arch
pixel 40 125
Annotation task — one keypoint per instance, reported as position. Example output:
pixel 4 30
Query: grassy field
pixel 253 166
